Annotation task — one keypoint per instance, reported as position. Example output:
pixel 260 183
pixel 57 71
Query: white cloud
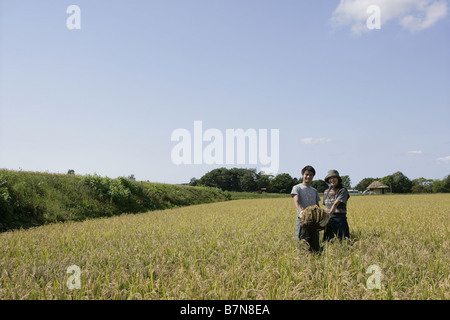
pixel 415 152
pixel 444 159
pixel 414 15
pixel 430 15
pixel 315 140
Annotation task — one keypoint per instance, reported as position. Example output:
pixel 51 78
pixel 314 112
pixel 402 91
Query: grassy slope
pixel 33 198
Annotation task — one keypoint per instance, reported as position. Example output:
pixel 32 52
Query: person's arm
pixel 297 203
pixel 340 198
pixel 334 206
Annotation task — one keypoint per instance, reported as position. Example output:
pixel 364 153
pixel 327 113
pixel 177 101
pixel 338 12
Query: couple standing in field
pixel 335 200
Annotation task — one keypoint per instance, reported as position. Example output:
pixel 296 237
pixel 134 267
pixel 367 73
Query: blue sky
pixel 106 98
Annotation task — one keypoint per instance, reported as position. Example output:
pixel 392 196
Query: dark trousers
pixel 311 236
pixel 337 226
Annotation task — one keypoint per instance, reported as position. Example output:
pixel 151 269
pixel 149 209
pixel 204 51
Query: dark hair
pixel 308 168
pixel 340 185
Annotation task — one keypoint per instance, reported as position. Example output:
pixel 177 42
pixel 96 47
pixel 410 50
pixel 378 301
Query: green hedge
pixel 33 198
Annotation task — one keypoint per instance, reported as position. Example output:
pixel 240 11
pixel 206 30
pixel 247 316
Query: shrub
pixel 32 198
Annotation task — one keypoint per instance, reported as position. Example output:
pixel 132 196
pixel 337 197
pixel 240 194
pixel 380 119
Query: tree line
pixel 399 183
pixel 249 180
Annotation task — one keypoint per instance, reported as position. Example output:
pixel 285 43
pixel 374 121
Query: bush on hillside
pixel 32 198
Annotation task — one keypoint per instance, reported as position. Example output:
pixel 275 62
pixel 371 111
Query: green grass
pixel 32 198
pixel 242 249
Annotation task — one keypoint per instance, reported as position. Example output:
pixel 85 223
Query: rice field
pixel 241 249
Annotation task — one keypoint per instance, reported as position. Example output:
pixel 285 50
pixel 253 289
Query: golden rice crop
pixel 315 216
pixel 242 249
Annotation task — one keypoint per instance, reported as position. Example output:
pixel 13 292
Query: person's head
pixel 308 174
pixel 333 178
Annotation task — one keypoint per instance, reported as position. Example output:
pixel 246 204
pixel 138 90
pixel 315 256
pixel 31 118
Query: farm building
pixel 377 187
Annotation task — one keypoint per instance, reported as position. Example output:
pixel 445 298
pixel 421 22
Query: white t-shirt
pixel 308 195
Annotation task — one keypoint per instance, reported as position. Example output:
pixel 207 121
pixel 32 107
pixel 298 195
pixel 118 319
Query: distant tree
pixel 438 186
pixel 283 183
pixel 442 185
pixel 193 182
pixel 247 181
pixel 422 185
pixel 131 177
pixel 218 178
pixel 71 171
pixel 346 182
pixel 234 179
pixel 319 185
pixel 264 181
pixel 446 183
pixel 398 182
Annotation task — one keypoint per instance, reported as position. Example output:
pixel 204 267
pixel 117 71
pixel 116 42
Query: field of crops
pixel 241 249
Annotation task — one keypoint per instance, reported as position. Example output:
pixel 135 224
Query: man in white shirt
pixel 304 196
